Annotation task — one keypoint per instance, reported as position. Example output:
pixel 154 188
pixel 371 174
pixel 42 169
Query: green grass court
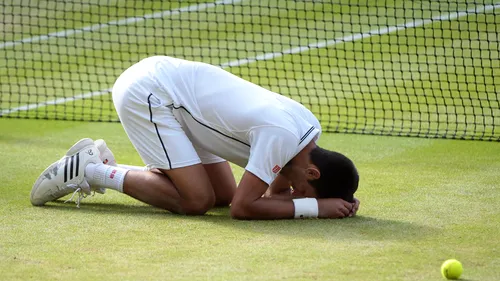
pixel 390 67
pixel 422 201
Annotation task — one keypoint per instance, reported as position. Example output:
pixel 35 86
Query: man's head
pixel 320 173
pixel 337 178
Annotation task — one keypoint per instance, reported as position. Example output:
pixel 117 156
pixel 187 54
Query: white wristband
pixel 305 208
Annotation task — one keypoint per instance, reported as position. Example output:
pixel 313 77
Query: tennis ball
pixel 452 269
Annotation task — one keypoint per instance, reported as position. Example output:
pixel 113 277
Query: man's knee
pixel 199 204
pixel 195 190
pixel 223 200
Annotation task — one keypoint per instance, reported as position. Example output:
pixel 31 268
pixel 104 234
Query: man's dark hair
pixel 339 177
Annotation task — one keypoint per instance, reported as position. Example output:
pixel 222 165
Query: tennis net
pixel 406 68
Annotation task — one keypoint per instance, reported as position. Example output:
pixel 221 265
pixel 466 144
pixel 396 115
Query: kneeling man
pixel 187 120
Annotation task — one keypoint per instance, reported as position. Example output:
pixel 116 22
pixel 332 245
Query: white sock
pixel 100 175
pixel 132 168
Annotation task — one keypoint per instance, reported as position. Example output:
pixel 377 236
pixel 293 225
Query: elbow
pixel 239 211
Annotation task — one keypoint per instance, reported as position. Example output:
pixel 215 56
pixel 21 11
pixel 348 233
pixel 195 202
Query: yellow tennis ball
pixel 452 269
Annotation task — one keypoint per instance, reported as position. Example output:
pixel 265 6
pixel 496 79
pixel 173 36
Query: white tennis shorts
pixel 146 113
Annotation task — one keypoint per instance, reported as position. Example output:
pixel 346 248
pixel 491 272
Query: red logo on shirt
pixel 112 174
pixel 276 169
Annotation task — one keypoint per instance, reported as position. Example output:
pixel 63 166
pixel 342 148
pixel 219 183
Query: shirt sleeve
pixel 271 148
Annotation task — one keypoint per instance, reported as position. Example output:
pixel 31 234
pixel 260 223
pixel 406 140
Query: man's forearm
pixel 263 209
pixel 248 202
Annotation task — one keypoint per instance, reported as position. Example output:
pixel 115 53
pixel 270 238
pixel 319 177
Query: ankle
pixel 101 175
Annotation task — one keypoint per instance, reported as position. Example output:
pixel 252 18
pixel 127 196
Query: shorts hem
pixel 166 166
pixel 213 161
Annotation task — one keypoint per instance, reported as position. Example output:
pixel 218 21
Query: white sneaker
pixel 107 158
pixel 66 175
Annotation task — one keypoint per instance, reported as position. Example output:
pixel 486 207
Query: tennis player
pixel 187 120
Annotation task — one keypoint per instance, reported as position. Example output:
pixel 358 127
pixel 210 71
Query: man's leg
pixel 222 181
pixel 183 185
pixel 184 190
pixel 218 170
pixel 177 181
pixel 189 190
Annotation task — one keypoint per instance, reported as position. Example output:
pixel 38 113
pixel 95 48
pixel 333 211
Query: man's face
pixel 300 180
pixel 303 189
pixel 301 170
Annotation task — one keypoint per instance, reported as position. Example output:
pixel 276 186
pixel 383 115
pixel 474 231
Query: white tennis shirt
pixel 232 118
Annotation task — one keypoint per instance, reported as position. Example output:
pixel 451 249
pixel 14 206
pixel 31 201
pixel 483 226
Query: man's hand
pixel 355 208
pixel 334 208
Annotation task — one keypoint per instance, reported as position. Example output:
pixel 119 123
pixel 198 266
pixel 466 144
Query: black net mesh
pixel 411 68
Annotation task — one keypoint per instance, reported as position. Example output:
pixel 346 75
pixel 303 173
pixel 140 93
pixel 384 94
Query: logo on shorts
pixel 276 169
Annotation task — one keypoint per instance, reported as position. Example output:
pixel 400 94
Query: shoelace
pixel 83 191
pixel 81 195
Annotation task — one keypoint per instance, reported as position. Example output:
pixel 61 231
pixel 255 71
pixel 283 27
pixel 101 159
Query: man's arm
pixel 249 204
pixel 280 189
